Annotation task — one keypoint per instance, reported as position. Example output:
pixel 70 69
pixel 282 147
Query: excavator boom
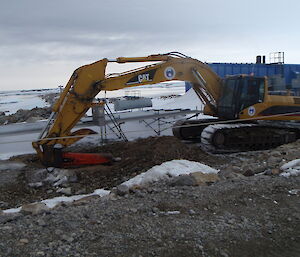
pixel 240 97
pixel 87 81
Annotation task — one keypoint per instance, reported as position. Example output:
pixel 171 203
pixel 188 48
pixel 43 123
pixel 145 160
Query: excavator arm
pixel 87 81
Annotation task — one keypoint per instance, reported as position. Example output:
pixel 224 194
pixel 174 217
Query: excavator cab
pixel 240 92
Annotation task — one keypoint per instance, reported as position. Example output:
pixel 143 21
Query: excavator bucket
pixel 79 159
pixel 55 157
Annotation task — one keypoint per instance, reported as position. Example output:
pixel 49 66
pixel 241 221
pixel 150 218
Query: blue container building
pixel 283 75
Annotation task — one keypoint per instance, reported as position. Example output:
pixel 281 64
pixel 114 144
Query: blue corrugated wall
pixel 223 69
pixel 288 71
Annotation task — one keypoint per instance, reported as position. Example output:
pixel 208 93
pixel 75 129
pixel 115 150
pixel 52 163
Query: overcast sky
pixel 43 41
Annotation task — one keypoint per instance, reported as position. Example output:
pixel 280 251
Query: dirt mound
pixel 136 157
pixel 139 156
pixel 28 115
pixel 23 115
pixel 237 216
pixel 50 98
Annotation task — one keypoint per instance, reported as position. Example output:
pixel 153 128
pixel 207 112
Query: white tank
pixel 127 104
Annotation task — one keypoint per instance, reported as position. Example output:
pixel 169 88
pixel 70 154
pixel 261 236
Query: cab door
pixel 239 93
pixel 229 101
pixel 251 92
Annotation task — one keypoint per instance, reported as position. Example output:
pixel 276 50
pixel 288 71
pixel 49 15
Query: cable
pixel 177 54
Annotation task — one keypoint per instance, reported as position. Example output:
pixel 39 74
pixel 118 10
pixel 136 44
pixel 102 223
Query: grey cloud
pixel 75 31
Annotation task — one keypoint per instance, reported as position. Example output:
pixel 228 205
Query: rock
pixel 273 161
pixel 34 208
pixel 260 169
pixel 61 181
pixel 41 223
pixel 226 174
pixel 171 213
pixel 65 191
pixel 24 241
pixel 192 212
pixel 122 190
pixel 58 232
pixel 223 253
pixel 3 205
pixel 67 238
pixel 183 180
pixel 205 178
pixel 61 177
pixel 276 154
pixel 272 172
pixel 35 176
pixel 3 120
pixel 86 199
pixel 155 210
pixel 110 197
pixel 249 172
pixel 70 174
pixel 139 193
pixel 81 191
pixel 134 210
pixel 35 185
pixel 294 191
pixel 233 168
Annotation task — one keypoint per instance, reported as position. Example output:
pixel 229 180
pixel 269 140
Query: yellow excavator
pixel 247 115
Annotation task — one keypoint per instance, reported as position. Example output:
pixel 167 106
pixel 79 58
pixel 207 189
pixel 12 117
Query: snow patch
pixel 168 169
pixel 291 168
pixel 56 200
pixel 13 210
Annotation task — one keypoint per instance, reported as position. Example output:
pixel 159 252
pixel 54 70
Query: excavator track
pixel 190 129
pixel 236 137
pixel 229 138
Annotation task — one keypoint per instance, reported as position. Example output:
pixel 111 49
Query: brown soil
pixel 237 216
pixel 136 157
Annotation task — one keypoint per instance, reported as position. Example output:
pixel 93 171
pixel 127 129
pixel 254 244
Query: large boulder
pixel 34 176
pixel 34 119
pixel 34 208
pixel 195 179
pixel 203 179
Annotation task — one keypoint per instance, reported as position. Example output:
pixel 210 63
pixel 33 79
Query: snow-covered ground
pixel 21 143
pixel 11 101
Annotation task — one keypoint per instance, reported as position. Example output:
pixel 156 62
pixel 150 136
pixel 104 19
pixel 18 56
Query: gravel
pixel 250 211
pixel 255 216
